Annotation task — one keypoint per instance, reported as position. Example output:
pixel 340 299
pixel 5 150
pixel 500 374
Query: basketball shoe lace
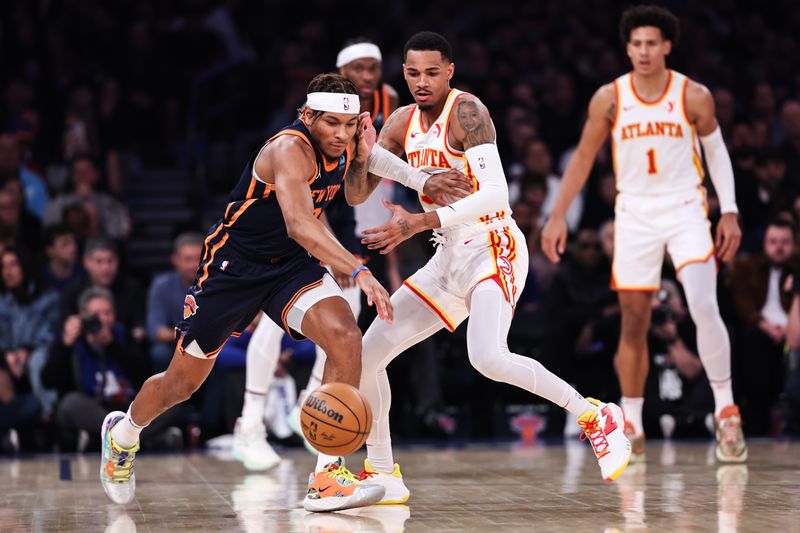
pixel 341 474
pixel 119 466
pixel 596 436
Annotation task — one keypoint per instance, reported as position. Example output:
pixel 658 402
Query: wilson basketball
pixel 336 419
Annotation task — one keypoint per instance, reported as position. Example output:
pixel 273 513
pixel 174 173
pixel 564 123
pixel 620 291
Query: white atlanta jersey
pixel 656 149
pixel 429 150
pixel 490 248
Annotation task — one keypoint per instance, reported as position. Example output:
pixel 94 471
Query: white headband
pixel 334 102
pixel 357 51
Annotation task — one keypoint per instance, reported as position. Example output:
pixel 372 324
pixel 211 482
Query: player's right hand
pixel 554 238
pixel 376 295
pixel 447 187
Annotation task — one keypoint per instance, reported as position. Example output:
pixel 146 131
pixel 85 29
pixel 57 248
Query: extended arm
pixel 602 113
pixel 701 111
pixel 357 185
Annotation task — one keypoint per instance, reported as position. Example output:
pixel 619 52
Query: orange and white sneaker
pixel 637 443
pixel 336 488
pixel 731 447
pixel 396 490
pixel 603 429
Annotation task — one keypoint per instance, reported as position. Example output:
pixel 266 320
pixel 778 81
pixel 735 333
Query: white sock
pixel 632 407
pixel 324 460
pixel 723 395
pixel 253 409
pixel 126 432
pixel 487 333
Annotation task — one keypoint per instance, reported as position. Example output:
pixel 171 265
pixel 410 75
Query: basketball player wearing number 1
pixel 655 117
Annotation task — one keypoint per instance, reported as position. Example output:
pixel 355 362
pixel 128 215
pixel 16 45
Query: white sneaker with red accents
pixel 604 429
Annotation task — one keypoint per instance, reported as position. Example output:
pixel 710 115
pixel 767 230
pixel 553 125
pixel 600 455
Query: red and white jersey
pixel 429 150
pixel 655 146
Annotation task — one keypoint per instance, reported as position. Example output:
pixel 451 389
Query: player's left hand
pixel 365 137
pixel 729 236
pixel 403 225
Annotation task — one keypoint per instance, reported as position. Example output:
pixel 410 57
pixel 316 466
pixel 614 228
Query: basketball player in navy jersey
pixel 360 61
pixel 264 255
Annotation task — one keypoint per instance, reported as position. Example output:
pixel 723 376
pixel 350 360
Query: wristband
pixel 358 271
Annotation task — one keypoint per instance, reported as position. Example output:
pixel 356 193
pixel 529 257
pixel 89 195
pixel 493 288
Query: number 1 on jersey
pixel 651 161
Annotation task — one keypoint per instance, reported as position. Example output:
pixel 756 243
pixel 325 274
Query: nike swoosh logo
pixel 323 490
pixel 467 242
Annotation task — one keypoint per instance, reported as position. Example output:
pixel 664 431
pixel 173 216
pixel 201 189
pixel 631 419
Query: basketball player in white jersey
pixel 360 61
pixel 478 269
pixel 655 117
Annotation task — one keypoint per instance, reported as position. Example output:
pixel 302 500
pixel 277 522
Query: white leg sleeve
pixel 713 343
pixel 262 357
pixel 413 322
pixel 487 331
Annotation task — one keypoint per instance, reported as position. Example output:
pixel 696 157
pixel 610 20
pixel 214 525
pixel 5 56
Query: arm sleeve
pixel 492 196
pixel 385 164
pixel 721 169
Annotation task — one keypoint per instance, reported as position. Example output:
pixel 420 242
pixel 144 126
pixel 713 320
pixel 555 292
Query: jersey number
pixel 651 162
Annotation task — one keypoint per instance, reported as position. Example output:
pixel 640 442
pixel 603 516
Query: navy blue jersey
pixel 341 215
pixel 253 223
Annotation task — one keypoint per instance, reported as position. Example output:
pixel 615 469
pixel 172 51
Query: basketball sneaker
pixel 601 428
pixel 731 447
pixel 396 490
pixel 637 442
pixel 250 446
pixel 116 463
pixel 336 488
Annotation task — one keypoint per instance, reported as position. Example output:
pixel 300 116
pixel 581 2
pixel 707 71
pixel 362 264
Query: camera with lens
pixel 91 324
pixel 661 314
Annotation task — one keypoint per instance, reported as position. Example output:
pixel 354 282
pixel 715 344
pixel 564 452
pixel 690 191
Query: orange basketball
pixel 336 419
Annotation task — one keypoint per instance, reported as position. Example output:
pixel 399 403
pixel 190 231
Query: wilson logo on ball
pixel 319 405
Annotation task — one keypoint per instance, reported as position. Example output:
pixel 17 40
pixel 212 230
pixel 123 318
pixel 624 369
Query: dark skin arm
pixel 701 112
pixel 357 185
pixel 470 126
pixel 291 162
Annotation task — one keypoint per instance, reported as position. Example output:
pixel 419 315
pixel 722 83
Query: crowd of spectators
pixel 87 85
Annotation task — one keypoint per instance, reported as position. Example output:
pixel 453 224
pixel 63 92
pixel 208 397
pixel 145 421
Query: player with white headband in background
pixel 264 255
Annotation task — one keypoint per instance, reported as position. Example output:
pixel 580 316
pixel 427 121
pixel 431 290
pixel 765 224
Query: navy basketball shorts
pixel 230 290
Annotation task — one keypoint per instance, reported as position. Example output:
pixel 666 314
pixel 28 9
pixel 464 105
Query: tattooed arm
pixel 602 115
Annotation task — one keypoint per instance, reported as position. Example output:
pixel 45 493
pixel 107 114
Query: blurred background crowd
pixel 123 126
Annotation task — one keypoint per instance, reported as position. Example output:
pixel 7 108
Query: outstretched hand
pixel 365 136
pixel 403 225
pixel 729 236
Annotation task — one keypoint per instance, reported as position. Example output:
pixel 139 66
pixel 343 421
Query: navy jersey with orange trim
pixel 253 219
pixel 341 215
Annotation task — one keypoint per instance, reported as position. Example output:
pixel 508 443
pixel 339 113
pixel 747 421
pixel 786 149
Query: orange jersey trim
pixel 614 286
pixel 207 264
pixel 386 102
pixel 291 302
pixel 659 99
pixel 408 126
pixel 435 308
pixel 703 259
pixel 683 101
pixel 375 105
pixel 307 141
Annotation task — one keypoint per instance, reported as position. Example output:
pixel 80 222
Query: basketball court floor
pixel 679 488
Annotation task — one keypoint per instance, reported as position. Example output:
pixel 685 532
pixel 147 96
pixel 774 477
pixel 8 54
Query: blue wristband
pixel 358 271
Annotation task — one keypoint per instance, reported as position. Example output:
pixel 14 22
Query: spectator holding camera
pixel 101 261
pixel 95 367
pixel 762 307
pixel 165 298
pixel 28 319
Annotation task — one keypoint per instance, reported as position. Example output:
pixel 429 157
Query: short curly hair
pixel 649 15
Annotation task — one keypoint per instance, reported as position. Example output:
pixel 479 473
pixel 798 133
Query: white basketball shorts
pixel 647 226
